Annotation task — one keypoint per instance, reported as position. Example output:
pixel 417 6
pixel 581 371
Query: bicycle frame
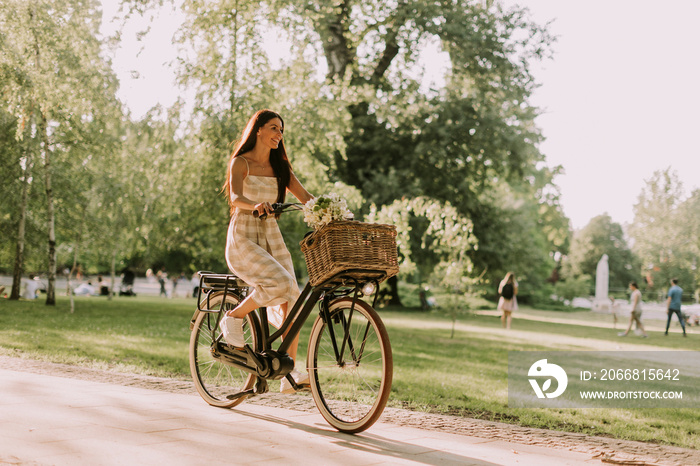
pixel 275 364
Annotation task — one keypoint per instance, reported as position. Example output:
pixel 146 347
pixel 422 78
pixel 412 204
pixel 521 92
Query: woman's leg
pixel 244 308
pixel 640 326
pixel 506 318
pixel 629 327
pixel 248 305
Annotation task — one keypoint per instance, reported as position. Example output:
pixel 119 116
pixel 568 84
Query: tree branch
pixel 333 29
pixel 391 46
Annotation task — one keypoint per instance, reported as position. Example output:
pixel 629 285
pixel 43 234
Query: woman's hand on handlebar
pixel 262 210
pixel 275 209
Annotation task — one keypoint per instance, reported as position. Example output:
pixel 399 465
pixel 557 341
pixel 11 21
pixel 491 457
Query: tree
pixel 602 236
pixel 388 137
pixel 689 215
pixel 457 144
pixel 222 59
pixel 662 232
pixel 50 51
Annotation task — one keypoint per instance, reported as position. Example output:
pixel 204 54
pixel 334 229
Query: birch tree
pixel 56 81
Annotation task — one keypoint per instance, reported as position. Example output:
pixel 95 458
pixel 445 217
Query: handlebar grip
pixel 275 206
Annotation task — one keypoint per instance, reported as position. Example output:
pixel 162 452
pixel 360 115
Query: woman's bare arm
pixel 298 190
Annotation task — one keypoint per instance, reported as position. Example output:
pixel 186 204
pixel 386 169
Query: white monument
pixel 602 278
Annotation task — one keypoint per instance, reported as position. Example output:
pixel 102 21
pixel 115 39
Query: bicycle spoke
pixel 352 386
pixel 215 380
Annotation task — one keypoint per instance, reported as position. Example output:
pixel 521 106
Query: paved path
pixel 62 421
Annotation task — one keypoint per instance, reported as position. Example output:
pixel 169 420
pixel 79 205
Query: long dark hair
pixel 278 156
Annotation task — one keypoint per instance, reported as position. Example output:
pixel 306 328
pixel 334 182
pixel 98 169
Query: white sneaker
pixel 232 331
pixel 299 378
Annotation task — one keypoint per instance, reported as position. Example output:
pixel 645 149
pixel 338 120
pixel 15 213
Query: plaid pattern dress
pixel 256 252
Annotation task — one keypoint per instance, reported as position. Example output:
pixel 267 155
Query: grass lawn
pixel 464 374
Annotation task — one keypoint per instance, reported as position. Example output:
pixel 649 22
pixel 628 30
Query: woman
pixel 636 314
pixel 258 175
pixel 507 303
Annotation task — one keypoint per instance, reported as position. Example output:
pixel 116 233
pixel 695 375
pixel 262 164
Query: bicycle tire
pixel 213 379
pixel 350 391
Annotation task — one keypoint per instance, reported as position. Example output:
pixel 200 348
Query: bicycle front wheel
pixel 350 365
pixel 214 380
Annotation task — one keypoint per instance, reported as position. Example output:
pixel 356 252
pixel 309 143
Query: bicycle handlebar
pixel 278 208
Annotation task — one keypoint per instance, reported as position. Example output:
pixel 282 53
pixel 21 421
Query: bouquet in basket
pixel 325 209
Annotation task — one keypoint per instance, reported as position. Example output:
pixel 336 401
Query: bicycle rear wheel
pixel 350 366
pixel 214 380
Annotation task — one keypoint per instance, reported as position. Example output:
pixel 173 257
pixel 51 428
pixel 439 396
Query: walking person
pixel 259 174
pixel 636 314
pixel 507 303
pixel 161 275
pixel 174 282
pixel 673 305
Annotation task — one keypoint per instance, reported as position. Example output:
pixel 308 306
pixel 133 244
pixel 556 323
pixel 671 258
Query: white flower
pixel 324 209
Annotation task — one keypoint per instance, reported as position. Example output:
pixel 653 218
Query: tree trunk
pixel 44 132
pixel 76 254
pixel 19 257
pixel 393 283
pixel 113 273
pixel 51 288
pixel 69 284
pixel 332 27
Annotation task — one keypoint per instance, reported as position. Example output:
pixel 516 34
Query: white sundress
pixel 504 304
pixel 256 252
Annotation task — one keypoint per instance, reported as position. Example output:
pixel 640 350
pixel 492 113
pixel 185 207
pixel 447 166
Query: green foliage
pixel 665 232
pixel 146 193
pixel 443 241
pixel 457 144
pixel 573 287
pixel 689 212
pixel 602 236
pixel 60 92
pixel 516 236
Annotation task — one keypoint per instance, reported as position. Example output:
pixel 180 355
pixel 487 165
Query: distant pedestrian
pixel 195 284
pixel 614 308
pixel 636 314
pixel 508 302
pixel 31 287
pixel 161 275
pixel 84 289
pixel 673 305
pixel 103 289
pixel 174 280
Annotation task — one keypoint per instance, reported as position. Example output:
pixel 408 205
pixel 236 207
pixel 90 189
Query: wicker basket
pixel 347 245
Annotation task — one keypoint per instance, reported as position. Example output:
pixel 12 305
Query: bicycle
pixel 349 356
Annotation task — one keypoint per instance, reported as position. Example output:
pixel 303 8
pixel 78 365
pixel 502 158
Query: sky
pixel 620 99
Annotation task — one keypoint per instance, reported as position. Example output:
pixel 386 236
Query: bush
pixel 573 287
